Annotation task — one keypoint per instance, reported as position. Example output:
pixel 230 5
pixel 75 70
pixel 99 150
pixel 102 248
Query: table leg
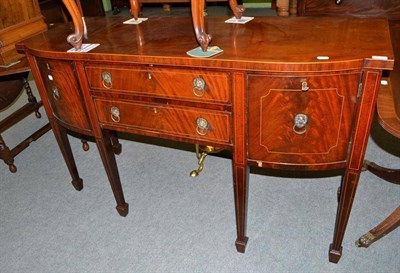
pixel 108 157
pixel 240 184
pixel 364 115
pixel 65 147
pixel 240 168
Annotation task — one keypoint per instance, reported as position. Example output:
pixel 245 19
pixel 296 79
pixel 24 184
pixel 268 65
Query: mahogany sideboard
pixel 286 93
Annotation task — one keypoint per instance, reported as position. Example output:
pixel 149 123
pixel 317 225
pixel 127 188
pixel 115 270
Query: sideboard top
pixel 265 43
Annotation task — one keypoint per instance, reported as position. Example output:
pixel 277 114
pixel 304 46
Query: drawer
pixel 293 126
pixel 171 83
pixel 171 120
pixel 63 92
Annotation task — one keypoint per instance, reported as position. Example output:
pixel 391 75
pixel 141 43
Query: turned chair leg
pixel 5 154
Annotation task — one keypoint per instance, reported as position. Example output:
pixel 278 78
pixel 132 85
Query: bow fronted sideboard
pixel 286 93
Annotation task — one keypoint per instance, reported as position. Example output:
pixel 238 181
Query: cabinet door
pixel 63 93
pixel 301 120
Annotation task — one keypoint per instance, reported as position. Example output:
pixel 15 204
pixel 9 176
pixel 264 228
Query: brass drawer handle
pixel 300 122
pixel 198 86
pixel 115 114
pixel 56 93
pixel 202 127
pixel 107 79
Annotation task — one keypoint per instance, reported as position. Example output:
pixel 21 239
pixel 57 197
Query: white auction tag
pixel 84 48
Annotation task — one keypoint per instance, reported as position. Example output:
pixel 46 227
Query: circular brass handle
pixel 115 114
pixel 202 126
pixel 56 93
pixel 198 86
pixel 300 122
pixel 107 79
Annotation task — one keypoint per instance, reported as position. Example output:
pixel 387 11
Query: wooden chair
pixel 12 81
pixel 388 113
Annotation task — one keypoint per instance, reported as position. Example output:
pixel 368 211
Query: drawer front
pixel 171 83
pixel 63 92
pixel 184 122
pixel 294 126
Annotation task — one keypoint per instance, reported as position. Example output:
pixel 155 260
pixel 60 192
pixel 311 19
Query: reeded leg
pixel 384 228
pixel 202 37
pixel 63 142
pixel 240 178
pixel 107 156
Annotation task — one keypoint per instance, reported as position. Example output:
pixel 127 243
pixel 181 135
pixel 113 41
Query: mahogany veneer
pixel 271 70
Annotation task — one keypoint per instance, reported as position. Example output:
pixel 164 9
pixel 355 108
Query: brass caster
pixel 205 150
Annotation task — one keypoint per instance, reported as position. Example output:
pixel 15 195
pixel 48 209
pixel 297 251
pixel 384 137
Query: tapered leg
pixel 65 147
pixel 347 193
pixel 107 156
pixel 239 163
pixel 240 184
pixel 364 115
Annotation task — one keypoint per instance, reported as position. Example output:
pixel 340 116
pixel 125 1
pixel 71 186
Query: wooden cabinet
pixel 294 99
pixel 19 19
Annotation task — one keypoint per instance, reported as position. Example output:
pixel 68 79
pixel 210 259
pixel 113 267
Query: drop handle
pixel 202 126
pixel 300 123
pixel 107 79
pixel 199 85
pixel 115 114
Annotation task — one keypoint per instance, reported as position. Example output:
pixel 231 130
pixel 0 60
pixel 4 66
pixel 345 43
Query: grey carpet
pixel 178 223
